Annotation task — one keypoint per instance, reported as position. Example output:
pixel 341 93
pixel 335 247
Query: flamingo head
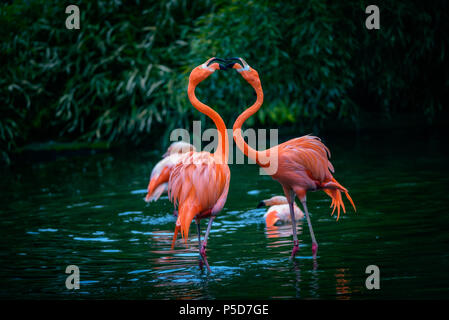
pixel 204 70
pixel 248 73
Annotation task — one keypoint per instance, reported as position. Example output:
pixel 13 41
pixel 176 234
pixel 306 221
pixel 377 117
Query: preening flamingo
pixel 161 172
pixel 279 211
pixel 199 182
pixel 302 163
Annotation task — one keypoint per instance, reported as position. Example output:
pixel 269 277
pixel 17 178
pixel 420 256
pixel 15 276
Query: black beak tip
pixel 230 65
pixel 261 204
pixel 226 64
pixel 234 61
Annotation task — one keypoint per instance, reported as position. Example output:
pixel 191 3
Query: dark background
pixel 122 78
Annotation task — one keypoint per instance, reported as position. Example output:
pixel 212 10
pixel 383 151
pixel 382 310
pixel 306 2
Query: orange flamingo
pixel 279 211
pixel 302 163
pixel 161 172
pixel 199 182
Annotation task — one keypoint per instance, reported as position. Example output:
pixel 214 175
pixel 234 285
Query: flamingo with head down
pixel 279 211
pixel 302 163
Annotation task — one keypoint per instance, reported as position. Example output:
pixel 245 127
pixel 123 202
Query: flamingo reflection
pixel 342 285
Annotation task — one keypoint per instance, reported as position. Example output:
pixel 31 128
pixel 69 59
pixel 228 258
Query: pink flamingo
pixel 302 163
pixel 199 182
pixel 279 211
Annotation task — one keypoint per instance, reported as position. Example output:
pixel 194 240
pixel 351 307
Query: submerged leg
pixel 290 195
pixel 292 215
pixel 203 247
pixel 312 235
pixel 198 228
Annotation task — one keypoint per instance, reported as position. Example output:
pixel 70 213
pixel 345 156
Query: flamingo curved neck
pixel 223 143
pixel 237 129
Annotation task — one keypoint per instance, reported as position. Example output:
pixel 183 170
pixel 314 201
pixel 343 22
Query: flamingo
pixel 302 163
pixel 279 211
pixel 161 172
pixel 199 182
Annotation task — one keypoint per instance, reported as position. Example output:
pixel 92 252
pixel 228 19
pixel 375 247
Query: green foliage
pixel 298 49
pixel 123 75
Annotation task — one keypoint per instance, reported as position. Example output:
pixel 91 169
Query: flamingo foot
pixel 295 249
pixel 314 248
pixel 204 257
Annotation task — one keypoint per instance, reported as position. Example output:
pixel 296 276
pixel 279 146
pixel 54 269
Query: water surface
pixel 88 210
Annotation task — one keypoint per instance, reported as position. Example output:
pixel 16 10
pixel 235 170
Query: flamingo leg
pixel 203 247
pixel 295 236
pixel 312 235
pixel 198 228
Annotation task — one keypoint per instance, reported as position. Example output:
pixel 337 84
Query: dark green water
pixel 89 211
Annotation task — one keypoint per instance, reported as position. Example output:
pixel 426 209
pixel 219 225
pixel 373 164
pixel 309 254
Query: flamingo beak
pixel 261 204
pixel 230 62
pixel 221 63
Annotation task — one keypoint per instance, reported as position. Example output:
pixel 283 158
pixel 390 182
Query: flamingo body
pixel 198 185
pixel 279 211
pixel 303 165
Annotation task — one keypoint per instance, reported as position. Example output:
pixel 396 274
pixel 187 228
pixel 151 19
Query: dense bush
pixel 123 75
